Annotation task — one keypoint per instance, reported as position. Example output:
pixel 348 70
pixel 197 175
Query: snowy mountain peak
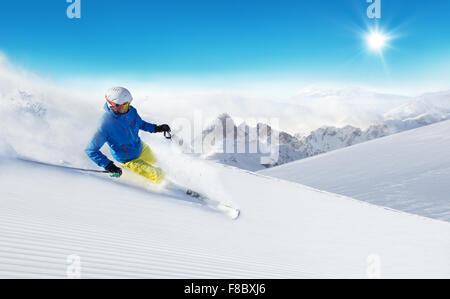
pixel 290 147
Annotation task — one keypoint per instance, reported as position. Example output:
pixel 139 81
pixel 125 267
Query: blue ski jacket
pixel 121 133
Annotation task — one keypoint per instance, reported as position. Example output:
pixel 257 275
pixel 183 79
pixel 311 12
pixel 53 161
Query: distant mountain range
pixel 237 145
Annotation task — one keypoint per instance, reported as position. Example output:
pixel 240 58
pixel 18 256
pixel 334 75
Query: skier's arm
pixel 152 128
pixel 93 149
pixel 145 126
pixel 148 127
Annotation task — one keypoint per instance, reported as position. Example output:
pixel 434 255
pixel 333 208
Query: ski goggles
pixel 115 106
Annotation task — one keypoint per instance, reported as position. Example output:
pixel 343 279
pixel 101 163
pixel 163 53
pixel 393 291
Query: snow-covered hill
pixel 424 110
pixel 49 215
pixel 408 171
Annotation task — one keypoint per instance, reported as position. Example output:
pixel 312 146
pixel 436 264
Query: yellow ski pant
pixel 142 165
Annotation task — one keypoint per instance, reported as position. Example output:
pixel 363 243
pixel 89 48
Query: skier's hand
pixel 162 128
pixel 113 170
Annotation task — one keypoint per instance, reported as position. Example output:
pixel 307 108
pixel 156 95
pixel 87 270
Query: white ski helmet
pixel 118 95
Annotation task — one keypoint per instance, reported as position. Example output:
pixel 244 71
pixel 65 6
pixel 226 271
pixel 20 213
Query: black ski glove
pixel 162 128
pixel 113 170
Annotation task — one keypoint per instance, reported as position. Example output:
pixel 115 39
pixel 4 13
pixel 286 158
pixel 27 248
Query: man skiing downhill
pixel 119 128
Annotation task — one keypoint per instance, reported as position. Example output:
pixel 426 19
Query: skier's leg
pixel 147 154
pixel 144 169
pixel 143 166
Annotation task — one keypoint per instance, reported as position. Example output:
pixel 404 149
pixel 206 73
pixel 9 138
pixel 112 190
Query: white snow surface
pixel 286 230
pixel 408 171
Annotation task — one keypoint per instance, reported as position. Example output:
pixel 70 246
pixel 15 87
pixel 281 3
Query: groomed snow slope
pixel 409 171
pixel 285 230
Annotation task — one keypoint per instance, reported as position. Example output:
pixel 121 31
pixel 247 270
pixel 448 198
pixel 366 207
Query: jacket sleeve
pixel 94 146
pixel 145 126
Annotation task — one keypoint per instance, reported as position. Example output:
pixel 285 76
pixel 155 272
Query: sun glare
pixel 376 41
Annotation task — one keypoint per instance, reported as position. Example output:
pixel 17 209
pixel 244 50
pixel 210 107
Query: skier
pixel 119 128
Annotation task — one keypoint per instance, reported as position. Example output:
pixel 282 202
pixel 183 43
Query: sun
pixel 376 40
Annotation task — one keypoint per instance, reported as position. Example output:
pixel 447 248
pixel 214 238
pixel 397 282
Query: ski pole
pixel 61 166
pixel 168 135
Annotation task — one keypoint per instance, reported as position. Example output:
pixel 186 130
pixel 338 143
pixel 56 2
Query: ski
pixel 231 212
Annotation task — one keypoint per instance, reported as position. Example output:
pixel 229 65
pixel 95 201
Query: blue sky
pixel 312 41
